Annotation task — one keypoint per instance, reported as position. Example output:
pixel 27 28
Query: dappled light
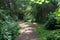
pixel 47 1
pixel 40 1
pixel 29 19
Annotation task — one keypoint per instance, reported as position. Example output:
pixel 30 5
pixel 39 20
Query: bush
pixel 54 36
pixel 8 30
pixel 8 27
pixel 50 24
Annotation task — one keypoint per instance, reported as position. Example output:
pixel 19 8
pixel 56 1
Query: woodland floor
pixel 27 31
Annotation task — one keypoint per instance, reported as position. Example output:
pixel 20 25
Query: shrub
pixel 8 27
pixel 8 30
pixel 54 36
pixel 50 24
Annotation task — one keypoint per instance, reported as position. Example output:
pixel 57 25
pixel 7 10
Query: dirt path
pixel 27 32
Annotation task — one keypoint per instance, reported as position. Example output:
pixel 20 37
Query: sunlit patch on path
pixel 27 32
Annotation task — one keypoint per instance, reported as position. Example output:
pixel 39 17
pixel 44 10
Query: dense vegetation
pixel 8 21
pixel 50 30
pixel 45 12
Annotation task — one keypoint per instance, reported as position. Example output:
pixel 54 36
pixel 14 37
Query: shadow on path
pixel 26 32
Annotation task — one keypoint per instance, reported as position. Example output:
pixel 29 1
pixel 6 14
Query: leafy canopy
pixel 40 1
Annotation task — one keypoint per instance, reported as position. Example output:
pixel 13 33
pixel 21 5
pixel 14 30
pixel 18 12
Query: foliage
pixel 40 1
pixel 8 20
pixel 8 30
pixel 32 10
pixel 53 19
pixel 50 24
pixel 44 9
pixel 44 34
pixel 28 10
pixel 8 26
pixel 54 36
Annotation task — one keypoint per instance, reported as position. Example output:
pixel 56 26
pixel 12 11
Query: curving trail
pixel 27 32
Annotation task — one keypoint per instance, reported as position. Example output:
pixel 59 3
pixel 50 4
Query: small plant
pixel 51 22
pixel 8 30
pixel 54 36
pixel 8 27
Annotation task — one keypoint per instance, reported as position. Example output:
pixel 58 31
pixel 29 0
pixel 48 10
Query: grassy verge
pixel 43 33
